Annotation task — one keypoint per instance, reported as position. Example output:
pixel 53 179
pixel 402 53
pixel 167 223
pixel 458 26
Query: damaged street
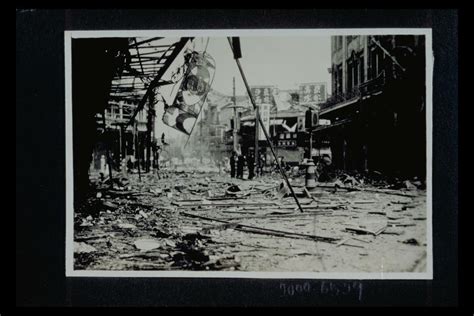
pixel 319 165
pixel 198 219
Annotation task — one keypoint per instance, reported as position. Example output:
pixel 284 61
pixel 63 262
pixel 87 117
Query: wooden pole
pixel 257 136
pixel 149 129
pixel 138 153
pixel 107 149
pixel 201 139
pixel 387 53
pixel 267 137
pixel 120 143
pixel 234 132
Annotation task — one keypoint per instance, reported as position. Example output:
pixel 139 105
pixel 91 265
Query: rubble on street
pixel 294 173
pixel 200 219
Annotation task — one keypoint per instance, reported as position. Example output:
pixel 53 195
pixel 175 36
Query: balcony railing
pixel 375 85
pixel 366 88
pixel 342 97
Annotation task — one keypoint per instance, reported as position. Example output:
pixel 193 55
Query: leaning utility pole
pixel 237 55
pixel 234 131
pixel 257 135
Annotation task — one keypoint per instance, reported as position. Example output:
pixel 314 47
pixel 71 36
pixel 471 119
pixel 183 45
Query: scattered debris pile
pixel 207 221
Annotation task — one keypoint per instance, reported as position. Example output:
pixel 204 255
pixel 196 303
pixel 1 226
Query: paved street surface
pixel 198 219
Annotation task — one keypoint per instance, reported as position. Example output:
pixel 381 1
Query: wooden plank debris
pixel 390 192
pixel 207 230
pixel 364 202
pixel 367 231
pixel 393 231
pixel 376 213
pixel 343 241
pixel 277 215
pixel 383 191
pixel 83 238
pixel 266 231
pixel 208 203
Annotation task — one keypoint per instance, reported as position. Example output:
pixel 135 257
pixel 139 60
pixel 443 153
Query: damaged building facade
pixel 377 108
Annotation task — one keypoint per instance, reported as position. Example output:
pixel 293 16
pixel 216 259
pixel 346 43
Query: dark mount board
pixel 40 222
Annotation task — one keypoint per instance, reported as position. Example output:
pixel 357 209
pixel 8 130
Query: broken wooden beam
pixel 266 231
pixel 342 242
pixel 206 230
pixel 377 213
pixel 364 201
pixel 388 191
pixel 366 231
pixel 83 238
pixel 224 204
pixel 270 215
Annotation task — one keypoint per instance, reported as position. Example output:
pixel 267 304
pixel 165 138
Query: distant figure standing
pixel 163 142
pixel 282 162
pixel 251 165
pixel 240 166
pixel 129 164
pixel 103 164
pixel 261 164
pixel 156 155
pixel 326 172
pixel 233 157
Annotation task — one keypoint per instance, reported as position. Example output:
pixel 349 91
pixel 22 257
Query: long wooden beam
pixel 268 231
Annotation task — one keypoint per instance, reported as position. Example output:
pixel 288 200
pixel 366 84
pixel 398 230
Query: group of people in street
pixel 256 167
pixel 238 162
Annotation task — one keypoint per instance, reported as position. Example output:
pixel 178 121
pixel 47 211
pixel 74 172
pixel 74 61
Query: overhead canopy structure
pixel 108 70
pixel 148 59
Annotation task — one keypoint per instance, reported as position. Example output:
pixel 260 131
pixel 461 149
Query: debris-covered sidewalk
pixel 203 220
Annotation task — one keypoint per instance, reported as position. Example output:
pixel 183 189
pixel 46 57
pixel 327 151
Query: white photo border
pixel 69 244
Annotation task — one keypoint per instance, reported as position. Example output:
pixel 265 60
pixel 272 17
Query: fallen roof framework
pixel 148 62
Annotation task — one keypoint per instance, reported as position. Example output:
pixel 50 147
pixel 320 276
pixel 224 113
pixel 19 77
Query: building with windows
pixel 286 126
pixel 286 122
pixel 377 108
pixel 122 139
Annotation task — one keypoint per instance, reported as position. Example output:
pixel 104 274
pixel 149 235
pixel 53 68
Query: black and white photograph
pixel 269 153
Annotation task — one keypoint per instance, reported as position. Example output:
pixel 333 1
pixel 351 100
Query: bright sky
pixel 283 62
